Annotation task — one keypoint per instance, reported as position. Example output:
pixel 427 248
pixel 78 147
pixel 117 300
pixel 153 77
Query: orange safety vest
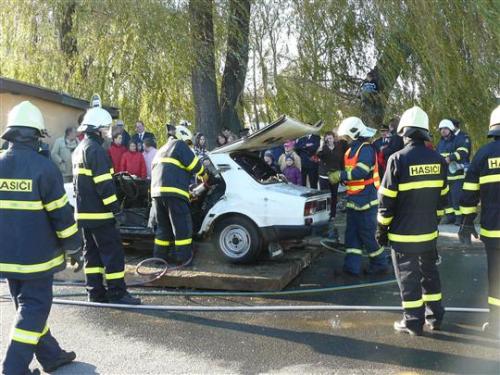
pixel 357 186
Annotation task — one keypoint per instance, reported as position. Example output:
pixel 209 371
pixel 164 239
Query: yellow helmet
pixel 26 114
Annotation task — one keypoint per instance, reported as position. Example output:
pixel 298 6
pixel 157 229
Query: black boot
pixel 400 326
pixel 63 359
pixel 125 299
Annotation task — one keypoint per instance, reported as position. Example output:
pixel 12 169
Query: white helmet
pixel 185 123
pixel 446 124
pixel 95 118
pixel 415 117
pixel 495 123
pixel 183 133
pixel 354 128
pixel 26 114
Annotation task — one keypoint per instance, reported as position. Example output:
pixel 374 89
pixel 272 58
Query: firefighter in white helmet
pixel 362 181
pixel 172 170
pixel 36 225
pixel 97 209
pixel 412 194
pixel 482 184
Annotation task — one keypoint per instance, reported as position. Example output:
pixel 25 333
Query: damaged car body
pixel 246 207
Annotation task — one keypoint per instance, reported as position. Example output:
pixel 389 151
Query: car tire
pixel 238 239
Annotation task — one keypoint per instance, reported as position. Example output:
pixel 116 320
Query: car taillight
pixel 310 208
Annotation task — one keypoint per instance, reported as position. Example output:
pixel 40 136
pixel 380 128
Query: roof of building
pixel 13 86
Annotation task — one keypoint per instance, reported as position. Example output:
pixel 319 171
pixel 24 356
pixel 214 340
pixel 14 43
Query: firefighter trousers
pixel 30 334
pixel 104 260
pixel 360 235
pixel 454 199
pixel 420 287
pixel 493 257
pixel 174 228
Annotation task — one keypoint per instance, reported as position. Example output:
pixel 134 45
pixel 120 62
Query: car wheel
pixel 238 239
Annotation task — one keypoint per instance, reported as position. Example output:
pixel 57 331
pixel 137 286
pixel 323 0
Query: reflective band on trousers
pixel 494 301
pixel 432 297
pixel 468 210
pixel 28 337
pixel 445 190
pixel 94 270
pixel 354 251
pixel 413 237
pixel 489 179
pixel 168 189
pixel 367 206
pixel 489 233
pixel 376 253
pixel 21 205
pixel 32 268
pixel 421 185
pixel 187 241
pixel 115 275
pixel 68 232
pixel 454 178
pixel 58 203
pixel 471 186
pixel 162 242
pixel 413 304
pixel 94 216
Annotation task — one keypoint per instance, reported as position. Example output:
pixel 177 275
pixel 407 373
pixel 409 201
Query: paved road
pixel 125 342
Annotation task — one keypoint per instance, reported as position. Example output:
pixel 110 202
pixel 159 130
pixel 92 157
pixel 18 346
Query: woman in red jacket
pixel 133 162
pixel 116 151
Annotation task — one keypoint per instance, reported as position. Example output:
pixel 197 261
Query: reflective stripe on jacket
pixel 482 183
pixel 36 220
pixel 457 151
pixel 96 200
pixel 412 196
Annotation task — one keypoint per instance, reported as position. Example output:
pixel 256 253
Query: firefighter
pixel 482 183
pixel 36 225
pixel 362 181
pixel 456 154
pixel 97 208
pixel 173 166
pixel 412 195
pixel 464 135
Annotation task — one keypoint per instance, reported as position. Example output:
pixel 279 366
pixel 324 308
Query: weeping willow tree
pixel 442 55
pixel 307 58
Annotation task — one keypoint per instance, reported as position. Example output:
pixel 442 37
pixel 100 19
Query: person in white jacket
pixel 61 153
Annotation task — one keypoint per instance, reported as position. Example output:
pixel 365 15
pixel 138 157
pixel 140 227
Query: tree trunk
pixel 387 70
pixel 235 70
pixel 204 86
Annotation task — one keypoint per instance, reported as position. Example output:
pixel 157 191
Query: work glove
pixel 76 257
pixel 465 232
pixel 382 235
pixel 334 177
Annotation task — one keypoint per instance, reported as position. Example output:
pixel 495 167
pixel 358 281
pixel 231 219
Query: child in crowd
pixel 200 145
pixel 289 146
pixel 116 151
pixel 149 154
pixel 291 172
pixel 221 140
pixel 133 162
pixel 269 160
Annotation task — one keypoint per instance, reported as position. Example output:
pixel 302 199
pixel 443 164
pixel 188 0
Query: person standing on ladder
pixel 482 184
pixel 362 181
pixel 36 225
pixel 412 196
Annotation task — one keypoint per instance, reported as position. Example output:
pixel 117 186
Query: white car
pixel 248 207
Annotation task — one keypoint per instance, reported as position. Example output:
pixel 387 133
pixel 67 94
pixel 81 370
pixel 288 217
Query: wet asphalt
pixel 132 342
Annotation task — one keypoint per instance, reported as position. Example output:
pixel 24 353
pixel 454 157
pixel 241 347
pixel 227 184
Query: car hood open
pixel 274 134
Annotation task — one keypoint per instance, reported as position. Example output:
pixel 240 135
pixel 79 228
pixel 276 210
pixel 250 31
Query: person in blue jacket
pixel 456 154
pixel 362 181
pixel 36 227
